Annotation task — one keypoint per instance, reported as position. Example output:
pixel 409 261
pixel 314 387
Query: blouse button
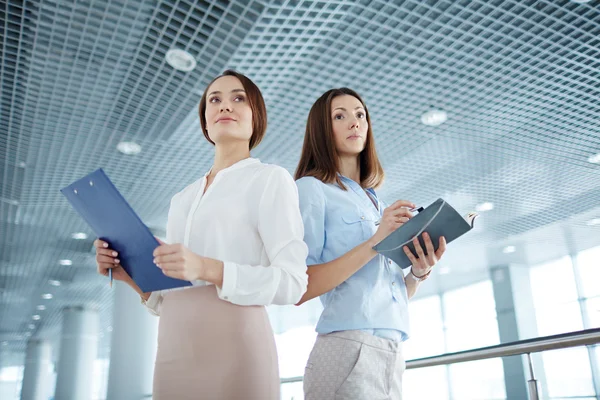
pixel 362 217
pixel 393 283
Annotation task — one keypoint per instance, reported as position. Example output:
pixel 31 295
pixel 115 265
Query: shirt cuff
pixel 230 276
pixel 153 303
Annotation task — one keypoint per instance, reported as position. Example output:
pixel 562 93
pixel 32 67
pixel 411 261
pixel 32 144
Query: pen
pixel 417 209
pixel 110 276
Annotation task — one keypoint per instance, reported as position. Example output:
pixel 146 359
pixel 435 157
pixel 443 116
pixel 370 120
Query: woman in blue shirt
pixel 358 352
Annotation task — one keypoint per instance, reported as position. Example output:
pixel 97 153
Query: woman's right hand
pixel 107 258
pixel 393 218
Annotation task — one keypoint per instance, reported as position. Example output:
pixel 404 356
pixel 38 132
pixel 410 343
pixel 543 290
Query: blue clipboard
pixel 113 220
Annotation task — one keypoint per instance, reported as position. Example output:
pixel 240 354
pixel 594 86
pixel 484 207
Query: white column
pixel 133 347
pixel 78 351
pixel 36 376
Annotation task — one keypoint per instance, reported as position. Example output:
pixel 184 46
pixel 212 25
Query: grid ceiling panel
pixel 519 79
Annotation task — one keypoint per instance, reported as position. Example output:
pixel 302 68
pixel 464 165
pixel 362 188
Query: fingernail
pixel 105 245
pixel 115 254
pixel 116 260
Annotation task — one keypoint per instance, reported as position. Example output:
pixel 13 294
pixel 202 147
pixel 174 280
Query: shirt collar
pixel 238 165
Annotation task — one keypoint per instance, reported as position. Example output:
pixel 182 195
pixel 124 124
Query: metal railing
pixel 572 339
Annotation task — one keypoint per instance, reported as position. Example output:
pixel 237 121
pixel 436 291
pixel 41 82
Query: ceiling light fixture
pixel 593 222
pixel 41 307
pixel 54 282
pixel 79 236
pixel 47 296
pixel 509 249
pixel 595 159
pixel 434 117
pixel 487 206
pixel 129 148
pixel 65 262
pixel 181 60
pixel 36 317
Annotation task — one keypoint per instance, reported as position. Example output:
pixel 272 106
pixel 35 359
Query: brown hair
pixel 320 158
pixel 256 101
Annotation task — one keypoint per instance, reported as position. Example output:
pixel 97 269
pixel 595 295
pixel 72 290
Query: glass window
pixel 592 307
pixel 470 323
pixel 553 283
pixel 478 380
pixel 417 383
pixel 588 262
pixel 292 391
pixel 568 372
pixel 293 349
pixel 559 319
pixel 462 307
pixel 426 328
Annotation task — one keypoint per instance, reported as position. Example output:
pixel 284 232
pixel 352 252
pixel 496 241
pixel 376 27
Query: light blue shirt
pixel 374 299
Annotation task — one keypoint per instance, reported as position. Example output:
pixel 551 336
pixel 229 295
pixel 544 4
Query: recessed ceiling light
pixel 41 307
pixel 595 159
pixel 129 148
pixel 509 249
pixel 36 317
pixel 31 326
pixel 434 117
pixel 444 271
pixel 593 222
pixel 54 282
pixel 65 262
pixel 79 236
pixel 487 206
pixel 47 296
pixel 181 60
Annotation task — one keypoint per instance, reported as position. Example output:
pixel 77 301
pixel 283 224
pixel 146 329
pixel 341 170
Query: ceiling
pixel 519 80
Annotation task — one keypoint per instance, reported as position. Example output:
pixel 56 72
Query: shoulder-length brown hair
pixel 257 105
pixel 320 157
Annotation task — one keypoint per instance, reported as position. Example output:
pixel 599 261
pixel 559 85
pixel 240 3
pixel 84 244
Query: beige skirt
pixel 214 350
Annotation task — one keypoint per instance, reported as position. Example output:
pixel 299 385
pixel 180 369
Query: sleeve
pixel 154 302
pixel 312 209
pixel 284 281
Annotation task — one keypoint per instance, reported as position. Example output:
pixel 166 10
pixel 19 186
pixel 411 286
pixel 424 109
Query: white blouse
pixel 249 218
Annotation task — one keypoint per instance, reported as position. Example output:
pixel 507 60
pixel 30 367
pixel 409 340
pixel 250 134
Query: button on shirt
pixel 374 299
pixel 249 219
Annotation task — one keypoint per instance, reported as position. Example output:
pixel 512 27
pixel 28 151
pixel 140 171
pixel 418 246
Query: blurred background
pixel 491 104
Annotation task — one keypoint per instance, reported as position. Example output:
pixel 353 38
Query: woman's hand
pixel 179 262
pixel 107 259
pixel 421 263
pixel 393 218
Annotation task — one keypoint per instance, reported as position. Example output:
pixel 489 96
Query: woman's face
pixel 228 113
pixel 349 122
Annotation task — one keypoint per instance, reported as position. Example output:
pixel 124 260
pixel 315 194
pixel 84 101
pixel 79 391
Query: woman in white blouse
pixel 237 235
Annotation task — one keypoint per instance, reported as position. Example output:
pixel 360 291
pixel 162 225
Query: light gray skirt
pixel 354 365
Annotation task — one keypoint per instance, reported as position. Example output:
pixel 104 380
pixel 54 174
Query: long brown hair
pixel 320 157
pixel 255 100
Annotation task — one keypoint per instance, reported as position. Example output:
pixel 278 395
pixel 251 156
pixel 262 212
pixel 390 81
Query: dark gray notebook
pixel 439 219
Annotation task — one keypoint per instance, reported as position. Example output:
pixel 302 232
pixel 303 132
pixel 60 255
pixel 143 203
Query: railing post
pixel 532 383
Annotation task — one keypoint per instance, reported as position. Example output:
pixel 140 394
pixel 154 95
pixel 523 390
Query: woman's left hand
pixel 421 263
pixel 179 262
